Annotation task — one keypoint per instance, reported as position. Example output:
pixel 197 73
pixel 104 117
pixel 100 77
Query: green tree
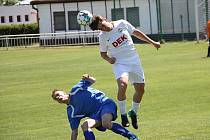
pixel 1 2
pixel 8 2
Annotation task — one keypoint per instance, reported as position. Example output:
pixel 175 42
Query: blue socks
pixel 89 135
pixel 118 129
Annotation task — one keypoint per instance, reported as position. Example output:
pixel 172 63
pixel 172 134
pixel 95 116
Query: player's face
pixel 60 96
pixel 105 26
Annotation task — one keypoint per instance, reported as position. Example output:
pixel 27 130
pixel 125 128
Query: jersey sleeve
pixel 129 27
pixel 81 85
pixel 103 46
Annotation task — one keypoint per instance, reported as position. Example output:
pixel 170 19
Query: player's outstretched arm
pixel 140 35
pixel 89 78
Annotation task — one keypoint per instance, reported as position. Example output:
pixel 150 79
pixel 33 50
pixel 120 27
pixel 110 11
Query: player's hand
pixel 112 60
pixel 88 78
pixel 85 76
pixel 156 45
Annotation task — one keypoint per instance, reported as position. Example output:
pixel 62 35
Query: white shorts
pixel 135 73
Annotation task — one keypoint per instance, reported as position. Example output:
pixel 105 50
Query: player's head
pixel 95 22
pixel 60 96
pixel 100 23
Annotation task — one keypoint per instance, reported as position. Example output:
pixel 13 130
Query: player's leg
pixel 139 91
pixel 121 75
pixel 86 128
pixel 118 129
pixel 137 79
pixel 109 114
pixel 137 97
pixel 121 96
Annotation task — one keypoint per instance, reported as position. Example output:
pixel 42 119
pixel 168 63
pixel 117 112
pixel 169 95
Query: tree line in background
pixel 8 2
pixel 16 29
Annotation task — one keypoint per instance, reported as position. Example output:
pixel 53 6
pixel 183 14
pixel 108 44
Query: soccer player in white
pixel 117 47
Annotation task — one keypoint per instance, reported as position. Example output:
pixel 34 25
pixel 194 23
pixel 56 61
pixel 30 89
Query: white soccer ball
pixel 84 17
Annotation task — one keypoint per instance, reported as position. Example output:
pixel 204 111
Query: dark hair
pixel 53 92
pixel 96 20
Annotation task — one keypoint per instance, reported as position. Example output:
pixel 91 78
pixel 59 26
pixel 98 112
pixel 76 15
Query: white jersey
pixel 119 44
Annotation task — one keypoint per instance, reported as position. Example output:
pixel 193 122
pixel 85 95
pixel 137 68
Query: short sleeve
pixel 81 85
pixel 129 27
pixel 103 45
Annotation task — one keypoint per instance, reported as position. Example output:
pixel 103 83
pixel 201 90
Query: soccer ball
pixel 84 17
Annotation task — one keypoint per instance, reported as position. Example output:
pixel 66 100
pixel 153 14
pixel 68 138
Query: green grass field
pixel 176 105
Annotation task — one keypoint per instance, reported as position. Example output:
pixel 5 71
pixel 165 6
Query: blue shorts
pixel 108 107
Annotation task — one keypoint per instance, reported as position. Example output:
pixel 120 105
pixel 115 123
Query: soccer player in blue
pixel 83 101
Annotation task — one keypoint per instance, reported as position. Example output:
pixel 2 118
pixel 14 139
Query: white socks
pixel 135 106
pixel 122 106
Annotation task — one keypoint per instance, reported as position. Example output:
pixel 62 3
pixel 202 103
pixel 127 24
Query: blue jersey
pixel 84 102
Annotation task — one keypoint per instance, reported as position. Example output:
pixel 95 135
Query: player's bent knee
pixel 84 126
pixel 107 124
pixel 123 84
